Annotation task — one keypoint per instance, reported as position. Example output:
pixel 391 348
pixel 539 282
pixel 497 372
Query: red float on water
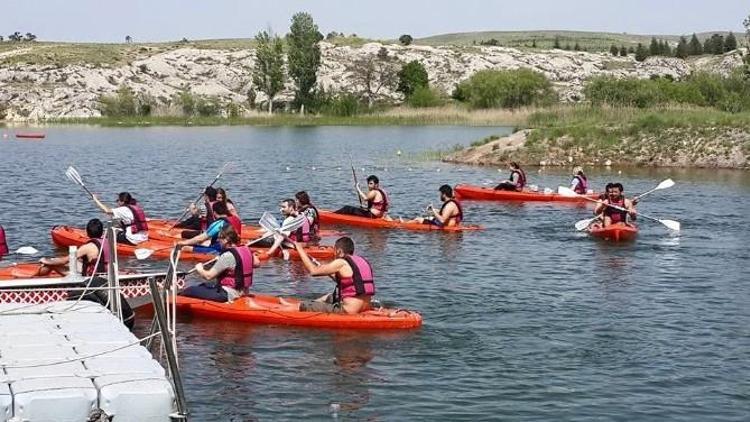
pixel 30 135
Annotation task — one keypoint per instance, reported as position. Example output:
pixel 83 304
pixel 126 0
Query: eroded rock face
pixel 41 92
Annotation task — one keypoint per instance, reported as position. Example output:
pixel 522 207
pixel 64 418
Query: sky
pixel 166 20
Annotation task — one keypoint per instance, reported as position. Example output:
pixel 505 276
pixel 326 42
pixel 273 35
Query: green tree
pixel 641 53
pixel 695 48
pixel 405 39
pixel 411 76
pixel 623 51
pixel 730 42
pixel 577 47
pixel 746 24
pixel 268 73
pixel 653 49
pixel 506 88
pixel 533 43
pixel 304 57
pixel 682 49
pixel 613 50
pixel 666 50
pixel 557 43
pixel 371 74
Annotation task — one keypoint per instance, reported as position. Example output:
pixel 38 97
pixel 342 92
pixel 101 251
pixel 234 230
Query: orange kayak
pixel 65 236
pixel 30 135
pixel 330 217
pixel 21 270
pixel 163 230
pixel 480 193
pixel 380 319
pixel 618 232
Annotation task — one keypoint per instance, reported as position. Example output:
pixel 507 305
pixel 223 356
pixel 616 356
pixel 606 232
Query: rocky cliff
pixel 34 91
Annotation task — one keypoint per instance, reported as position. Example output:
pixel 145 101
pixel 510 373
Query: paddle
pixel 354 176
pixel 670 224
pixel 668 183
pixel 224 168
pixel 24 250
pixel 72 174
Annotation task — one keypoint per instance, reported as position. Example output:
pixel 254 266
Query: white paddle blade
pixel 73 175
pixel 671 224
pixel 665 184
pixel 268 221
pixel 27 250
pixel 143 253
pixel 583 224
pixel 562 190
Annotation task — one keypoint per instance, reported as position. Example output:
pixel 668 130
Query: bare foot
pixel 284 302
pixel 252 304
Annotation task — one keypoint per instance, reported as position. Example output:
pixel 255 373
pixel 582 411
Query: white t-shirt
pixel 124 214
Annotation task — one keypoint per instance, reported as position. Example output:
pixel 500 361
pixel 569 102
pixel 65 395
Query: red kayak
pixel 330 217
pixel 379 319
pixel 70 236
pixel 30 135
pixel 480 193
pixel 618 232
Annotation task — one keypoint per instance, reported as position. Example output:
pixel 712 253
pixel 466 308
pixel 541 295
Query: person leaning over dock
pixel 87 254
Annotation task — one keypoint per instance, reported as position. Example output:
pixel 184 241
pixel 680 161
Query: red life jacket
pixel 583 184
pixel 139 223
pixel 241 276
pixel 210 218
pixel 87 267
pixel 458 218
pixel 381 205
pixel 3 243
pixel 616 215
pixel 521 182
pixel 303 233
pixel 236 223
pixel 360 283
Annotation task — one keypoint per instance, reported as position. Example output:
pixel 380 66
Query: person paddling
pixel 609 215
pixel 377 201
pixel 88 254
pixel 303 234
pixel 134 222
pixel 580 183
pixel 195 221
pixel 305 206
pixel 517 180
pixel 232 274
pixel 207 242
pixel 355 284
pixel 221 196
pixel 450 214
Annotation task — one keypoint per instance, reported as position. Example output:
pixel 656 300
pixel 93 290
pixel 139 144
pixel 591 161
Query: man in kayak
pixel 232 274
pixel 134 222
pixel 305 206
pixel 450 214
pixel 580 183
pixel 355 285
pixel 609 215
pixel 208 241
pixel 195 222
pixel 377 201
pixel 303 234
pixel 517 179
pixel 87 254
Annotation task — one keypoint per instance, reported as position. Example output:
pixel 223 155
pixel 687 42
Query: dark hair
pixel 618 185
pixel 446 190
pixel 514 165
pixel 220 208
pixel 229 234
pixel 290 202
pixel 303 197
pixel 94 228
pixel 126 198
pixel 210 193
pixel 346 244
pixel 373 178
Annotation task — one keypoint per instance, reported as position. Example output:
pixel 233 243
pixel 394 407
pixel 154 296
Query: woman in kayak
pixel 195 222
pixel 221 196
pixel 377 201
pixel 87 254
pixel 610 215
pixel 131 215
pixel 232 274
pixel 517 179
pixel 355 285
pixel 305 206
pixel 450 214
pixel 580 183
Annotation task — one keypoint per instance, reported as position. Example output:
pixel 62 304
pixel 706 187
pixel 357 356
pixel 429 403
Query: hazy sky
pixel 163 20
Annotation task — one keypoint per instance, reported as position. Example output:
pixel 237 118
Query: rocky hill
pixel 30 91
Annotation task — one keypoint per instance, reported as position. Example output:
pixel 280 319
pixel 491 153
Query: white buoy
pixel 398 152
pixel 409 169
pixel 312 168
pixel 438 170
pixel 619 171
pixel 608 163
pixel 287 168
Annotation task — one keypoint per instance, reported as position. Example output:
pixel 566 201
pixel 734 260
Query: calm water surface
pixel 527 320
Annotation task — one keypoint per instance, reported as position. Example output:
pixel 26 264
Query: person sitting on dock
pixel 517 179
pixel 87 254
pixel 232 274
pixel 134 222
pixel 580 183
pixel 207 242
pixel 609 215
pixel 377 201
pixel 355 284
pixel 450 214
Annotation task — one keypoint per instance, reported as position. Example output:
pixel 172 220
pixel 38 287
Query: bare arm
pixel 194 241
pixel 330 268
pixel 104 208
pixel 447 213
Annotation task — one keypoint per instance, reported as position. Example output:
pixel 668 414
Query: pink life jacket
pixel 139 223
pixel 360 283
pixel 521 182
pixel 87 267
pixel 583 185
pixel 614 214
pixel 303 233
pixel 3 243
pixel 381 205
pixel 458 218
pixel 315 226
pixel 241 276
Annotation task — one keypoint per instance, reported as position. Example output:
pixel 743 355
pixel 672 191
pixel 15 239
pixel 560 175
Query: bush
pixel 123 103
pixel 207 107
pixel 506 88
pixel 187 103
pixel 627 92
pixel 341 105
pixel 411 76
pixel 425 97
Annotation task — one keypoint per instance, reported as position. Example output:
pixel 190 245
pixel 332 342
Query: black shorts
pixel 328 306
pixel 121 238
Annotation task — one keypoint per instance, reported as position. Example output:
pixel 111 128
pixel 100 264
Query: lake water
pixel 526 320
